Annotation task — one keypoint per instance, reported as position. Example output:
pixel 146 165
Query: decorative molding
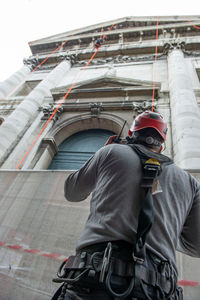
pixel 52 143
pixel 143 106
pixel 72 58
pixel 32 63
pixel 95 109
pixel 172 45
pixel 48 111
pixel 119 59
pixel 192 53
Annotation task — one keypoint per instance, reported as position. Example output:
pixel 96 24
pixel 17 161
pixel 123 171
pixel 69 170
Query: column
pixel 18 122
pixel 10 84
pixel 185 113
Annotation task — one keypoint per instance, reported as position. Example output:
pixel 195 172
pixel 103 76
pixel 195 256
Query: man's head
pixel 150 129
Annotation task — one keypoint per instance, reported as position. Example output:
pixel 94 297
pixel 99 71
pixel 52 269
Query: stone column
pixel 10 84
pixel 185 113
pixel 18 122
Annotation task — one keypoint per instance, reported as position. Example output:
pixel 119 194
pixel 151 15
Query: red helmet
pixel 149 119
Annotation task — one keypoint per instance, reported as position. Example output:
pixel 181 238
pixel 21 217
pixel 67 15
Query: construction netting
pixel 39 229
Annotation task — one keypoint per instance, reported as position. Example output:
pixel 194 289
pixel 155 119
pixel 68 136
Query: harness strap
pixel 121 268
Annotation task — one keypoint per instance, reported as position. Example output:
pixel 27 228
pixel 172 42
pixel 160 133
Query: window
pixel 78 148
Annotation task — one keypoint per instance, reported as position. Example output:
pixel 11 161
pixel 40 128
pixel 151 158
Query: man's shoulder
pixel 118 153
pixel 184 175
pixel 118 149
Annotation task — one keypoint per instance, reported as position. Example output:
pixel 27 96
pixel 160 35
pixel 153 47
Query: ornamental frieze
pixel 143 106
pixel 48 110
pixel 119 59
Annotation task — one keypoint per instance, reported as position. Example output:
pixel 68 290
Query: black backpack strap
pixel 151 167
pixel 58 292
pixel 146 215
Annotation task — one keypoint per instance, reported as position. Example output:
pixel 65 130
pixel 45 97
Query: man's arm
pixel 189 242
pixel 80 184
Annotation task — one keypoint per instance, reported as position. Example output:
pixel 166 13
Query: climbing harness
pixel 126 275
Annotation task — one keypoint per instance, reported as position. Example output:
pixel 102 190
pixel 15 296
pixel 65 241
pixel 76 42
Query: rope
pixel 195 26
pixel 155 63
pixel 40 64
pixel 60 103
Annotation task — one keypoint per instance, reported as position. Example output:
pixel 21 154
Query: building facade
pixel 61 106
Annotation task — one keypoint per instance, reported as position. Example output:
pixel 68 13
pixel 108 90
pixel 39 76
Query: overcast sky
pixel 22 21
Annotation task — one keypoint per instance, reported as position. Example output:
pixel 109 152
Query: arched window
pixel 78 148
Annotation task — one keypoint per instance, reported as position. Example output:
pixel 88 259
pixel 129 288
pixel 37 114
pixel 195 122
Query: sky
pixel 22 21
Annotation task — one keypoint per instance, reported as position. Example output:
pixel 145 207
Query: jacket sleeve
pixel 189 242
pixel 80 184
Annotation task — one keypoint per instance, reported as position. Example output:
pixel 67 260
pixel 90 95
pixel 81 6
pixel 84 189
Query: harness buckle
pixel 151 169
pixel 138 260
pixel 105 262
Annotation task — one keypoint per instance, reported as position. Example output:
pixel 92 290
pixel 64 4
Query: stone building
pixel 61 106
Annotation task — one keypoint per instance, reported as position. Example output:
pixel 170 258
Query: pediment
pixel 104 86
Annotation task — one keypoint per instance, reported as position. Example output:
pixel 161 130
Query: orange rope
pixel 40 64
pixel 154 72
pixel 60 103
pixel 197 27
pixel 62 44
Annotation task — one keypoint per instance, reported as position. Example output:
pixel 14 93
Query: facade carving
pixel 72 58
pixel 95 109
pixel 128 53
pixel 120 59
pixel 173 44
pixel 145 105
pixel 48 110
pixel 32 63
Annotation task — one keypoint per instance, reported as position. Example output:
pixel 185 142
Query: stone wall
pixel 39 228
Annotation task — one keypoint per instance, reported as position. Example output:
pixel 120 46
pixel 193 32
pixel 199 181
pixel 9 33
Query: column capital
pixel 31 63
pixel 71 58
pixel 172 45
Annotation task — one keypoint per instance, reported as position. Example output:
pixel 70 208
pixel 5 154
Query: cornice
pixel 108 106
pixel 120 26
pixel 117 53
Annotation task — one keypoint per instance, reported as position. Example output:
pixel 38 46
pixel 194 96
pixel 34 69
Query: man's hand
pixel 111 140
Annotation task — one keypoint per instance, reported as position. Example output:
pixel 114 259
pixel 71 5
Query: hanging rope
pixel 60 103
pixel 195 26
pixel 155 64
pixel 40 64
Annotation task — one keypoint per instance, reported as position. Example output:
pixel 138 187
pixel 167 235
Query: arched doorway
pixel 78 148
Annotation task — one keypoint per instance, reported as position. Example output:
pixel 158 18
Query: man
pixel 127 249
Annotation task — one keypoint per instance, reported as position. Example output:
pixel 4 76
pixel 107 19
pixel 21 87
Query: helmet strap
pixel 146 140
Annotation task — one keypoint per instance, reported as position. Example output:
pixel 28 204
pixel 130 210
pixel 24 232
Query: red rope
pixel 62 44
pixel 40 64
pixel 154 72
pixel 60 103
pixel 197 27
